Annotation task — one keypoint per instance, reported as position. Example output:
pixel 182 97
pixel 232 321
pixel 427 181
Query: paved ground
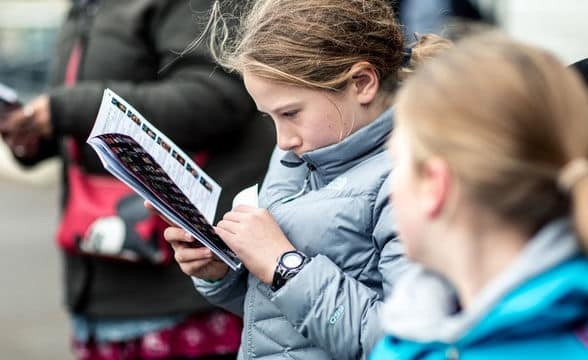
pixel 33 324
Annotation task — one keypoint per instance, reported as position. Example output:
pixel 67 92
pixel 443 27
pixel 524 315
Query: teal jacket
pixel 540 314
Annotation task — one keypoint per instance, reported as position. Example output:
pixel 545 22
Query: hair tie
pixel 571 174
pixel 407 56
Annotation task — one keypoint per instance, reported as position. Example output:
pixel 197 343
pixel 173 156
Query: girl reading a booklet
pixel 320 253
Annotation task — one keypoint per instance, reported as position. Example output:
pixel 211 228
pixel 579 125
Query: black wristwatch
pixel 289 264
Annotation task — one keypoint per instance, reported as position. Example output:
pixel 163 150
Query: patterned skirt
pixel 200 335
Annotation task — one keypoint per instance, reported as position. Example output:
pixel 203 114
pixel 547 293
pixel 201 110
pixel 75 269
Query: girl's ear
pixel 437 180
pixel 364 81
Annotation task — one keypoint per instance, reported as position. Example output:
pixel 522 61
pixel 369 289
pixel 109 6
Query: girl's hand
pixel 256 238
pixel 199 261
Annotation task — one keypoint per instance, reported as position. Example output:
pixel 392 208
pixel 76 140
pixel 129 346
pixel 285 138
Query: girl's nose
pixel 287 140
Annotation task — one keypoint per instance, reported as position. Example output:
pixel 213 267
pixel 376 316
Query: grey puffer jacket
pixel 343 221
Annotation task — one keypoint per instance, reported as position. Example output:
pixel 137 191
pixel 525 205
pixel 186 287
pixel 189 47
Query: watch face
pixel 292 260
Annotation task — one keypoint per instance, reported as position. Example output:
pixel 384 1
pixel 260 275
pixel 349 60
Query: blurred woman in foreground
pixel 491 166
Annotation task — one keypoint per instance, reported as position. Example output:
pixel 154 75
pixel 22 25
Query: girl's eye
pixel 291 113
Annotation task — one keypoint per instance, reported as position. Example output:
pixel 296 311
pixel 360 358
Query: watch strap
pixel 282 273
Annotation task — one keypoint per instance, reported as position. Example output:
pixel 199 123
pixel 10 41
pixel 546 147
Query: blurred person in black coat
pixel 432 16
pixel 124 309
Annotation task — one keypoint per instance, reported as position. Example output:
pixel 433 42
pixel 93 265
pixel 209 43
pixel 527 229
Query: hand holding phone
pixel 9 100
pixel 17 124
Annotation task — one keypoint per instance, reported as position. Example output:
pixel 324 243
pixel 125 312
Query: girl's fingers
pixel 176 234
pixel 227 236
pixel 193 268
pixel 226 228
pixel 148 205
pixel 235 216
pixel 189 255
pixel 244 209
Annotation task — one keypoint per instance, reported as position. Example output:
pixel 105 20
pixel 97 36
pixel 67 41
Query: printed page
pixel 247 196
pixel 137 153
pixel 116 116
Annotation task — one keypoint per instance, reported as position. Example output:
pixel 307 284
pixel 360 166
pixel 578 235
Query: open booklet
pixel 146 160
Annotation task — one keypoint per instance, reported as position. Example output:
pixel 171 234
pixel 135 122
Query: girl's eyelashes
pixel 285 114
pixel 289 114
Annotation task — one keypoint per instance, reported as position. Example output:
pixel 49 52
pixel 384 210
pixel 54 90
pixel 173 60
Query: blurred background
pixel 33 324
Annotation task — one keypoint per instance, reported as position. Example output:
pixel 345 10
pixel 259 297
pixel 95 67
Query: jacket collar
pixel 333 160
pixel 422 306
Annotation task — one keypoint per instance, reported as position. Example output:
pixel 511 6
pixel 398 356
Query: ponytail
pixel 426 47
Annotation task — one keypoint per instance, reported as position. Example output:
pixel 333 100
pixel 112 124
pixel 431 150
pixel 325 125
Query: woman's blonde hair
pixel 308 43
pixel 507 118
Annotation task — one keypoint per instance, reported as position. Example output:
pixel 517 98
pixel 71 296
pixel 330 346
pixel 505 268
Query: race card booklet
pixel 150 163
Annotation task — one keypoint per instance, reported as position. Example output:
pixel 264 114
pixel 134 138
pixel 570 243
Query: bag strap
pixel 71 76
pixel 72 70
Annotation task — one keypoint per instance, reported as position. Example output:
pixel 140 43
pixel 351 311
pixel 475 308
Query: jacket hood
pixel 549 274
pixel 333 160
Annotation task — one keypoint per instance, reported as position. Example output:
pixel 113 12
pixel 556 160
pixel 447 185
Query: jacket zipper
pixel 303 190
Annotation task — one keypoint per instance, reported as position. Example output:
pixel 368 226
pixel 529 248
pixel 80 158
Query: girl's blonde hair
pixel 507 118
pixel 308 43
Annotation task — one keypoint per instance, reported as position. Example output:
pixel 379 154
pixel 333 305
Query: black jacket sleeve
pixel 189 98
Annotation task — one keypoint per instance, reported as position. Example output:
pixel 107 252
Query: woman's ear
pixel 365 82
pixel 437 180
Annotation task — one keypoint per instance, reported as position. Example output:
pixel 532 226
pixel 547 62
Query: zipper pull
pixel 301 192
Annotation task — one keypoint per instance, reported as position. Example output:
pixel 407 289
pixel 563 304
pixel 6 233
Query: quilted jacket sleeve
pixel 228 293
pixel 334 310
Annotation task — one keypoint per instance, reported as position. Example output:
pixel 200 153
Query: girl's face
pixel 305 119
pixel 407 196
pixel 421 197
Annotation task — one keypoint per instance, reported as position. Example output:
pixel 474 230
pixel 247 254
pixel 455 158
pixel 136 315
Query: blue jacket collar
pixel 333 160
pixel 555 299
pixel 551 270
